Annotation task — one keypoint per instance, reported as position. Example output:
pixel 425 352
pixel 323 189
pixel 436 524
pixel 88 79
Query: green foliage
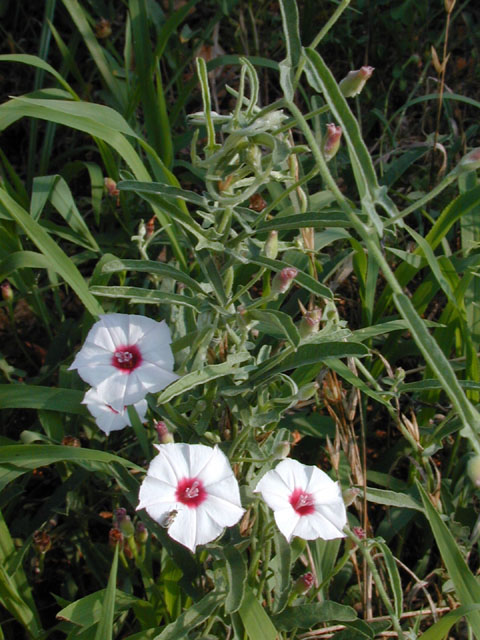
pixel 383 387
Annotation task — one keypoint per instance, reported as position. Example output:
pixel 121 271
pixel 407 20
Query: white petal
pixel 224 512
pixel 210 465
pixel 170 464
pixel 112 329
pixel 113 391
pixel 156 494
pixel 335 514
pixel 286 519
pixel 274 490
pixel 293 473
pixel 315 526
pixel 152 377
pixel 141 408
pixel 149 331
pixel 184 528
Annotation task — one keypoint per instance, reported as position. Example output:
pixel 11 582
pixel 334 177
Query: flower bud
pixel 473 470
pixel 257 203
pixel 449 5
pixel 310 322
pixel 283 279
pixel 349 496
pixel 470 161
pixel 303 584
pixel 141 533
pixel 331 141
pixel 281 450
pixel 271 245
pixel 359 532
pixel 71 441
pixel 115 537
pixel 124 522
pixel 354 81
pixel 42 542
pixel 111 187
pixel 103 28
pixel 164 435
pixel 7 293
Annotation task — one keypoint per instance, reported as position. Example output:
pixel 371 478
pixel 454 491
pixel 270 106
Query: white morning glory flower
pixel 107 418
pixel 125 357
pixel 306 502
pixel 191 489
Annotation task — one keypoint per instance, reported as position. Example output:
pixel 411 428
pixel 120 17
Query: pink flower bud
pixel 310 322
pixel 354 81
pixel 111 187
pixel 141 533
pixel 124 523
pixel 304 583
pixel 115 537
pixel 331 142
pixel 41 542
pixel 283 279
pixel 7 293
pixel 470 161
pixel 359 532
pixel 164 435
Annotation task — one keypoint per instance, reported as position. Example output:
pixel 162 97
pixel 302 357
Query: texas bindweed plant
pixel 218 532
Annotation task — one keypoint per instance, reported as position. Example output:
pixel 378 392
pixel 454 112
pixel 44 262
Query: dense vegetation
pixel 308 240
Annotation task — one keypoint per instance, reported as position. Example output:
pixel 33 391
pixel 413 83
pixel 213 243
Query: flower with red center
pixel 107 418
pixel 125 357
pixel 306 502
pixel 191 489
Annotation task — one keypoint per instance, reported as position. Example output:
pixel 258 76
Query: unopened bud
pixel 124 523
pixel 271 245
pixel 449 5
pixel 111 187
pixel 71 441
pixel 141 533
pixel 310 322
pixel 283 279
pixel 257 203
pixel 115 537
pixel 303 584
pixel 354 81
pixel 164 435
pixel 308 390
pixel 228 280
pixel 473 470
pixel 349 495
pixel 331 142
pixel 142 230
pixel 103 28
pixel 42 542
pixel 7 292
pixel 281 450
pixel 150 227
pixel 359 532
pixel 470 161
pixel 254 156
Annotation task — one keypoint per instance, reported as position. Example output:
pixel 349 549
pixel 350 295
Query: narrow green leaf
pixel 441 367
pixel 89 610
pixel 105 627
pixel 35 61
pixel 441 628
pixel 308 354
pixel 192 617
pixel 305 616
pixel 281 322
pixel 394 577
pixel 151 266
pixel 26 396
pixel 392 499
pixel 145 296
pixel 319 220
pixel 237 578
pixel 63 265
pixel 31 456
pixel 291 29
pixel 255 619
pixel 466 585
pixel 202 376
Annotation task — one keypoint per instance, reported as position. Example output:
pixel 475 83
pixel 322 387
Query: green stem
pixel 363 546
